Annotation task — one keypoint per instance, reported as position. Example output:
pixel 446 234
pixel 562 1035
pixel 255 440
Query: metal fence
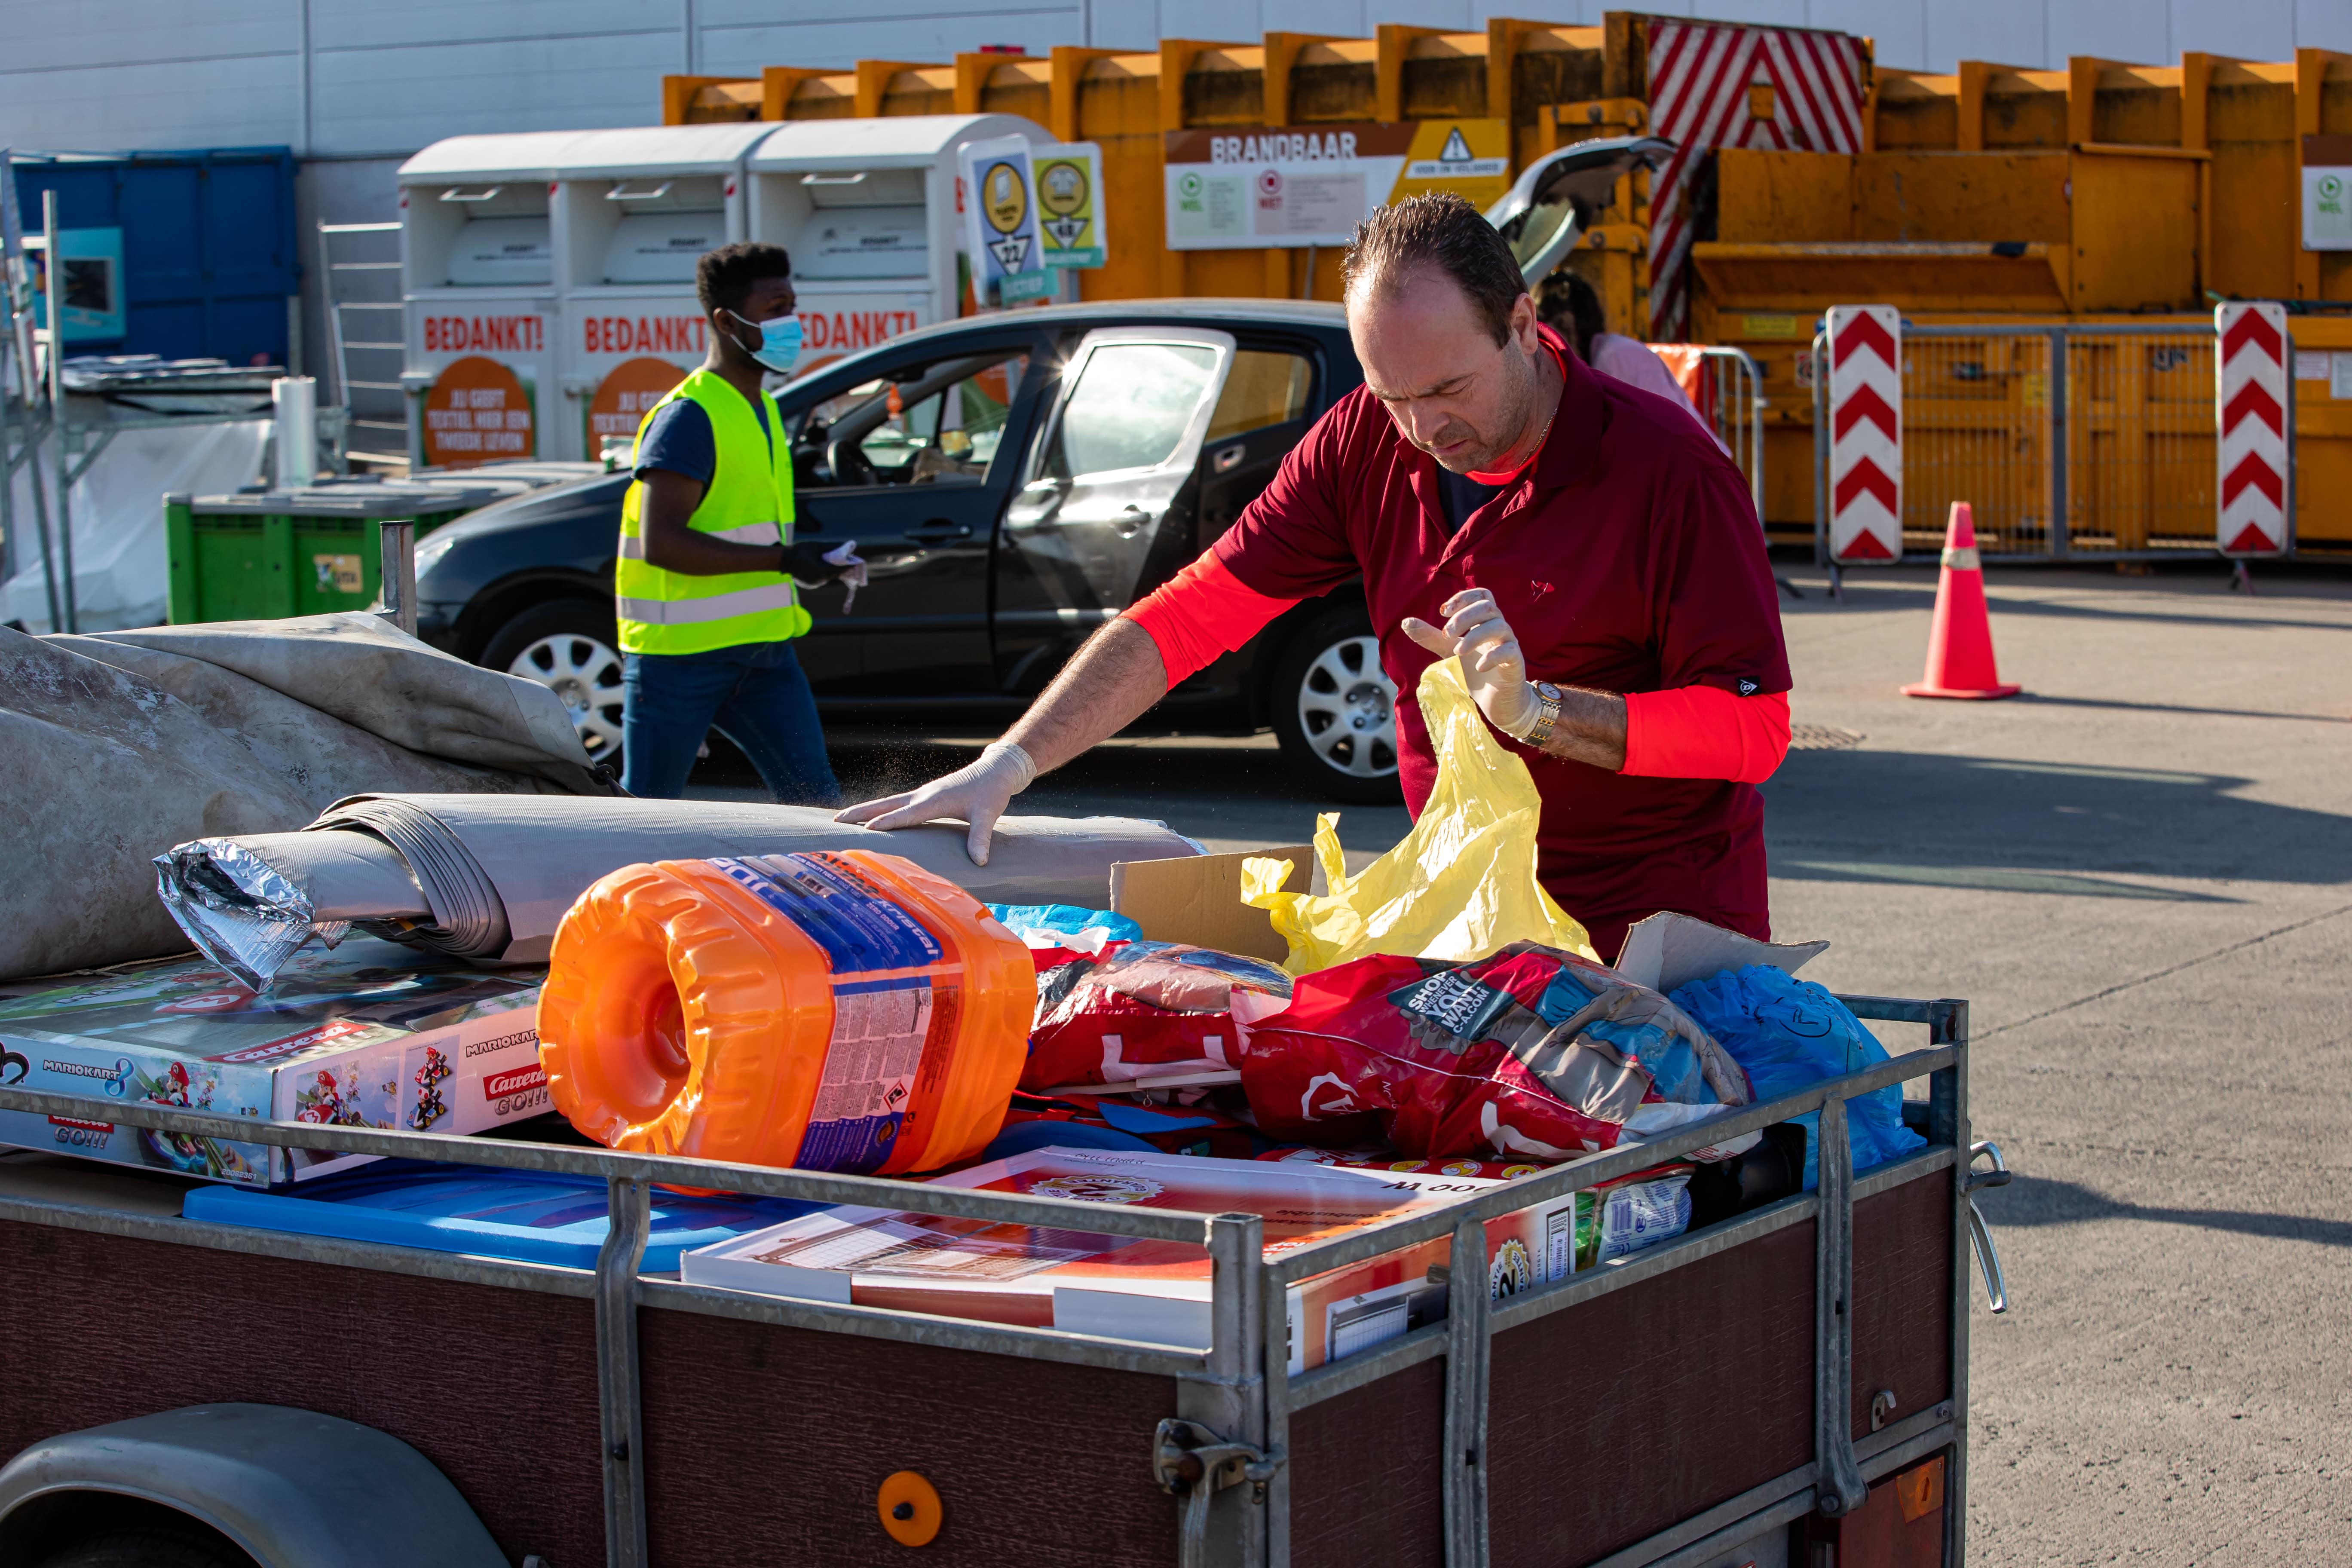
pixel 2090 440
pixel 1733 403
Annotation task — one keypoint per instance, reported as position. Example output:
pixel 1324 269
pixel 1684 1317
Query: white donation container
pixel 868 210
pixel 634 210
pixel 479 286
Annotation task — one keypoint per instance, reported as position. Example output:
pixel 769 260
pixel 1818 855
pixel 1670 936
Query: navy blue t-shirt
pixel 679 441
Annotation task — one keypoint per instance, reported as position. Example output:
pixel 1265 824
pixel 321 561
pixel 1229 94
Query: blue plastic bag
pixel 1790 1035
pixel 1065 920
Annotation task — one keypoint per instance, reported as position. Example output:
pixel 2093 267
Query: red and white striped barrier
pixel 2250 404
pixel 1719 84
pixel 1865 412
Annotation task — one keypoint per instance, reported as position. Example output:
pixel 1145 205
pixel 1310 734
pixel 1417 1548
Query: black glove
pixel 807 561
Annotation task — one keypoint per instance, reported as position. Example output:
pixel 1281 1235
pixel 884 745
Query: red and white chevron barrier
pixel 2250 404
pixel 1703 78
pixel 1865 412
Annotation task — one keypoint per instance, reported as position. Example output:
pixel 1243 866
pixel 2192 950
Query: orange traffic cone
pixel 1959 642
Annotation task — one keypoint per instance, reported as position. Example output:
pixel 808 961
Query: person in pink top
pixel 1592 559
pixel 1570 306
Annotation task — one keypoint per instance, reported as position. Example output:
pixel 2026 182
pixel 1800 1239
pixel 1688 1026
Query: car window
pixel 932 422
pixel 1263 388
pixel 1128 409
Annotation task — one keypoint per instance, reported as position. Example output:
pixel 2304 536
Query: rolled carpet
pixel 488 877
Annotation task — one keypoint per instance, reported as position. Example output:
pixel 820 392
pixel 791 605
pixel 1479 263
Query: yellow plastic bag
pixel 1461 885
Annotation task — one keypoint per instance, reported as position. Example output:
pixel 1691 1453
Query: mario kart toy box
pixel 372 1034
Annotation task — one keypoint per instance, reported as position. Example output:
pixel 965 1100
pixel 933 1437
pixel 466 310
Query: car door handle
pixel 1132 520
pixel 939 531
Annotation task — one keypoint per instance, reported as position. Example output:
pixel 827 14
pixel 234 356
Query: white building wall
pixel 372 79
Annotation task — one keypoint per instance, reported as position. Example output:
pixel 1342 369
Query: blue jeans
pixel 755 695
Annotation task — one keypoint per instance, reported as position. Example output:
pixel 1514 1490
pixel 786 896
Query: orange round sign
pixel 477 412
pixel 624 394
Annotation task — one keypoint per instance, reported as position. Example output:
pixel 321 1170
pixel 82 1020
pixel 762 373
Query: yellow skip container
pixel 845 1012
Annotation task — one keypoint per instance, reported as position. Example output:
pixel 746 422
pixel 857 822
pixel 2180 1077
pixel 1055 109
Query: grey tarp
pixel 119 746
pixel 489 876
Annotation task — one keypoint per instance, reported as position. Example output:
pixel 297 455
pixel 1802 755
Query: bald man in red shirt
pixel 1583 546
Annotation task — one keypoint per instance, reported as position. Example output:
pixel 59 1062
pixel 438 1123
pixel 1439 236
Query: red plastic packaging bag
pixel 1531 1054
pixel 1151 1009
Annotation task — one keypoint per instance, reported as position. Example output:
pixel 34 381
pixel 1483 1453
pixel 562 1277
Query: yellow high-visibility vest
pixel 750 502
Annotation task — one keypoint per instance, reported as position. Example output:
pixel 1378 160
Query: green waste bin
pixel 266 555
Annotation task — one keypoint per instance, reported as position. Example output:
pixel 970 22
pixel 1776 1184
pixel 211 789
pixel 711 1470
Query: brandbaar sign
pixel 1235 189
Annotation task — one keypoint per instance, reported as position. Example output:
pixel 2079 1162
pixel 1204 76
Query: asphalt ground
pixel 2140 874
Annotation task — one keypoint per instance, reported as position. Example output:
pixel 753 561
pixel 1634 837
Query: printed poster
pixel 1001 219
pixel 1069 203
pixel 1243 189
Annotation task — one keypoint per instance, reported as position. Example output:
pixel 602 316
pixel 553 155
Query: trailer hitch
pixel 1193 1462
pixel 1980 1235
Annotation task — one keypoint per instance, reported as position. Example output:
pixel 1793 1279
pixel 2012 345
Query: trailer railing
pixel 1225 1456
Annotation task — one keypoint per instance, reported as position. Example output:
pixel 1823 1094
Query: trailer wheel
pixel 570 647
pixel 155 1543
pixel 1334 710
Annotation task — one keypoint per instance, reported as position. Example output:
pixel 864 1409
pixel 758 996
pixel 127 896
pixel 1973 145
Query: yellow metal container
pixel 2102 190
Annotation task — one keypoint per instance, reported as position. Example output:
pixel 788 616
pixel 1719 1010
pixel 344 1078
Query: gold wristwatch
pixel 1547 713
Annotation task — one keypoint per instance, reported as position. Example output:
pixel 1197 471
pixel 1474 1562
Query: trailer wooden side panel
pixel 1364 1489
pixel 766 1445
pixel 1617 1418
pixel 497 1387
pixel 1903 1297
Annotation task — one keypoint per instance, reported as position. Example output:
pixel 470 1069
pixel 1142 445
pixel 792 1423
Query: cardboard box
pixel 1665 951
pixel 1133 1290
pixel 369 1034
pixel 1197 898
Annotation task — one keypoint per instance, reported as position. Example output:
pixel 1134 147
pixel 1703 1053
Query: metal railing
pixel 1225 1456
pixel 2090 440
pixel 1734 406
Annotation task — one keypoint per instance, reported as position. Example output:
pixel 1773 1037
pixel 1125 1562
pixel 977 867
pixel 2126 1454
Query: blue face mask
pixel 780 341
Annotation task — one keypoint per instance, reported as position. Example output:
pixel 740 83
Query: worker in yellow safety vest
pixel 704 581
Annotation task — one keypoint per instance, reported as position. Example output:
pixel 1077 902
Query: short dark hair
pixel 1443 231
pixel 723 278
pixel 1571 306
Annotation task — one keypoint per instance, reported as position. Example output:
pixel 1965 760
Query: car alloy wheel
pixel 587 674
pixel 1333 710
pixel 1347 709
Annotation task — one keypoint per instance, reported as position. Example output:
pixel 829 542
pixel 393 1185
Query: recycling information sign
pixel 1069 203
pixel 1001 219
pixel 2328 192
pixel 1242 189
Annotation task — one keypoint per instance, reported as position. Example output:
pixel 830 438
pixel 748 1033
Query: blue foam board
pixel 525 1217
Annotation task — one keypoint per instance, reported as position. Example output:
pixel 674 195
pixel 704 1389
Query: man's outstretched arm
pixel 1113 679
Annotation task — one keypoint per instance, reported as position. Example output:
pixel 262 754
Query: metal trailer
pixel 1735 1390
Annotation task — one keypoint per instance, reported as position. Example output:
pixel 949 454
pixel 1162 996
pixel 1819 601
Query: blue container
pixel 528 1216
pixel 208 241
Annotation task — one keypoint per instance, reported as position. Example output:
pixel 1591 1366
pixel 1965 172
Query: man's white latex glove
pixel 976 793
pixel 1492 665
pixel 853 577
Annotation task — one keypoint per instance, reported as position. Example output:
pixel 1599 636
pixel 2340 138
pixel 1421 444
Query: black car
pixel 1016 481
